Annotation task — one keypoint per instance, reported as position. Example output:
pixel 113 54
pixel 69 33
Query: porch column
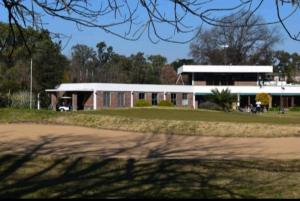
pixel 95 100
pixel 238 100
pixel 131 99
pixel 292 101
pixel 193 79
pixel 281 101
pixel 270 101
pixel 249 100
pixel 165 96
pixel 194 101
pixel 74 101
pixel 53 101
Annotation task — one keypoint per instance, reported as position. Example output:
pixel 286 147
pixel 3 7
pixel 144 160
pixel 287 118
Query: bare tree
pixel 236 44
pixel 137 16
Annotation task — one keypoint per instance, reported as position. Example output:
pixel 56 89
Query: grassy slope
pixel 35 177
pixel 158 114
pixel 201 115
pixel 170 121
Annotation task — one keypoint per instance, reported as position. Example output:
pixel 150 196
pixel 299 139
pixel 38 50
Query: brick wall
pixel 245 83
pixel 148 98
pixel 127 99
pixel 99 99
pixel 199 83
pixel 89 103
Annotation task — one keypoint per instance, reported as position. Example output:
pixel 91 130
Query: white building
pixel 244 81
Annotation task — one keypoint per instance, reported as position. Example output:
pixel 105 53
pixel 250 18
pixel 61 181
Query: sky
pixel 91 36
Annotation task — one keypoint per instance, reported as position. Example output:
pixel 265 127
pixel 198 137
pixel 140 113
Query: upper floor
pixel 209 75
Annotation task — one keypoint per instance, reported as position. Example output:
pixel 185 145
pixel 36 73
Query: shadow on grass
pixel 38 174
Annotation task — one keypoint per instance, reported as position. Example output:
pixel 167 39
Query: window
pixel 121 99
pixel 106 99
pixel 185 100
pixel 141 96
pixel 154 99
pixel 173 98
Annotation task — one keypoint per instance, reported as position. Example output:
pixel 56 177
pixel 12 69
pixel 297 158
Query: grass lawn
pixel 169 121
pixel 66 177
pixel 203 115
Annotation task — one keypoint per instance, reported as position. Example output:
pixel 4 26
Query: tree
pixel 157 62
pixel 48 64
pixel 223 98
pixel 139 16
pixel 83 63
pixel 139 70
pixel 236 45
pixel 263 98
pixel 180 62
pixel 286 64
pixel 168 75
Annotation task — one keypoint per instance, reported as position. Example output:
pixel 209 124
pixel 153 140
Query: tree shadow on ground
pixel 38 173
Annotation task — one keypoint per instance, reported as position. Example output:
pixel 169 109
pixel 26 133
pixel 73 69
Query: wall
pixel 148 98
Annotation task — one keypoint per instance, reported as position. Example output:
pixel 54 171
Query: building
pixel 243 81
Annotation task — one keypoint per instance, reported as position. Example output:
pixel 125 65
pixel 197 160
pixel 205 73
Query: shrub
pixel 209 106
pixel 165 103
pixel 224 98
pixel 263 98
pixel 142 103
pixel 22 100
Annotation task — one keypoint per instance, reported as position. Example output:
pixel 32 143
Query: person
pixel 253 109
pixel 281 110
pixel 258 106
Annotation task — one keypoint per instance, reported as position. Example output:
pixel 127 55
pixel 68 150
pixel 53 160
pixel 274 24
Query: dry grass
pixel 168 121
pixel 199 128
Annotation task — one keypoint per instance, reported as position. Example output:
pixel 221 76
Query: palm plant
pixel 223 98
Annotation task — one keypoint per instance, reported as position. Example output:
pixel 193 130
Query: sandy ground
pixel 35 139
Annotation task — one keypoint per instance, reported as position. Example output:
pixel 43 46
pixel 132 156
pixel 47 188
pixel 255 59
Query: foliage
pixel 286 65
pixel 210 106
pixel 263 98
pixel 21 99
pixel 142 103
pixel 165 103
pixel 48 63
pixel 224 98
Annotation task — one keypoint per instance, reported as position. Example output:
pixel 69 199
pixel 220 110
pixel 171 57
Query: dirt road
pixel 35 139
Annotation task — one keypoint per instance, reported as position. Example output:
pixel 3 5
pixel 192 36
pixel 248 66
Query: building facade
pixel 243 81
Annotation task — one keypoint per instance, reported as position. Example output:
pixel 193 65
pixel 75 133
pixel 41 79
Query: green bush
pixel 22 100
pixel 209 106
pixel 165 103
pixel 223 98
pixel 142 103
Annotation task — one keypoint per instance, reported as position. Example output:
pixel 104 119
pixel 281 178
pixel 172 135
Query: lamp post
pixel 31 83
pixel 225 46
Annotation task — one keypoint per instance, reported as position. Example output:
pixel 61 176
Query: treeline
pixel 102 64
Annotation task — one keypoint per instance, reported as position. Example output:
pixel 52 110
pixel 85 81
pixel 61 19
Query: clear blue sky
pixel 91 36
